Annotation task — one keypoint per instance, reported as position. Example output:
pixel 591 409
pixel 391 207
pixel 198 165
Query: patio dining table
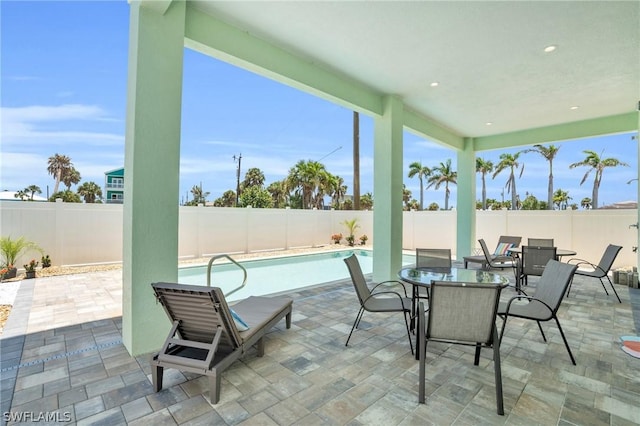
pixel 423 277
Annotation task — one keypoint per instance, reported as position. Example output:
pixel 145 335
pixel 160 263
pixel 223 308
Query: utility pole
pixel 239 160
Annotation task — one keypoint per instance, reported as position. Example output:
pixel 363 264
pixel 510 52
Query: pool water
pixel 265 276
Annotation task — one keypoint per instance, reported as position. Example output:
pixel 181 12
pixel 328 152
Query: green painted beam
pixel 576 130
pixel 426 128
pixel 216 38
pixel 159 6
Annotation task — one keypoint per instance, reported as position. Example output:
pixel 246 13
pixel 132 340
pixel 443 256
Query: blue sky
pixel 63 90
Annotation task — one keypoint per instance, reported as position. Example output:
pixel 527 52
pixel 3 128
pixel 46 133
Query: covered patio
pixel 62 353
pixel 472 76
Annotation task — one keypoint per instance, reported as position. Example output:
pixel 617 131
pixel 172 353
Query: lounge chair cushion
pixel 257 311
pixel 503 249
pixel 241 325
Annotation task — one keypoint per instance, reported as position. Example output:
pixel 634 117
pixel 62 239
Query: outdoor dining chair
pixel 462 314
pixel 544 304
pixel 377 301
pixel 533 261
pixel 601 270
pixel 432 259
pixel 540 242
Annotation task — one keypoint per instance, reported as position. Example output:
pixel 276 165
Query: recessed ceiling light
pixel 550 48
pixel 434 84
pixel 488 123
pixel 574 107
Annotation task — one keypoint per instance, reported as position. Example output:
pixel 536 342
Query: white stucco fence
pixel 75 234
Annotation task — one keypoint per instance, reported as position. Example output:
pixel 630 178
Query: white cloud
pixel 41 125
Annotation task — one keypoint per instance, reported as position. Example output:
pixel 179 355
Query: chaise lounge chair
pixel 499 256
pixel 204 338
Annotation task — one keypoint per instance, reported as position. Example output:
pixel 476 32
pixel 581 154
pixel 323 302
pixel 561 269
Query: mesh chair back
pixel 357 277
pixel 462 312
pixel 609 256
pixel 553 283
pixel 534 259
pixel 433 258
pixel 540 242
pixel 515 241
pixel 485 249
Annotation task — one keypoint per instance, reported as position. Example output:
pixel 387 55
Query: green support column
pixel 152 166
pixel 466 210
pixel 387 187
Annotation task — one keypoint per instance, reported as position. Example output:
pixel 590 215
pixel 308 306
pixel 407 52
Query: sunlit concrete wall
pixel 84 234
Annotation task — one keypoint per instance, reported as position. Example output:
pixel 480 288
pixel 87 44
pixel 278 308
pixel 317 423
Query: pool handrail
pixel 220 256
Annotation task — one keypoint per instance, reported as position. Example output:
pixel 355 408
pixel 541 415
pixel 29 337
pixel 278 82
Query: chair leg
pixel 565 340
pixel 476 359
pixel 504 323
pixel 604 287
pixel 569 287
pixel 541 331
pixel 613 288
pixel 498 373
pixel 288 320
pixel 214 386
pixel 355 324
pixel 407 320
pixel 156 377
pixel 421 349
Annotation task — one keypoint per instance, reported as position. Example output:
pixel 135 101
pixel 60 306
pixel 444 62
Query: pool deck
pixel 62 352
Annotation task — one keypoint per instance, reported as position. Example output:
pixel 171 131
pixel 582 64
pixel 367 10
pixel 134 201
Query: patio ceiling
pixel 488 57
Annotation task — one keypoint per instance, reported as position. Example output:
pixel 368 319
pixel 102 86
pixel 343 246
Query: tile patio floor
pixel 62 353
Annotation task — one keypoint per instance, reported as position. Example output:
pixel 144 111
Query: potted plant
pixel 363 239
pixel 8 272
pixel 351 225
pixel 30 268
pixel 336 238
pixel 11 250
pixel 46 261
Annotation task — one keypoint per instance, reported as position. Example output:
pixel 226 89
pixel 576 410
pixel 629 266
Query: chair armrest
pixel 530 298
pixel 393 282
pixel 579 262
pixel 372 295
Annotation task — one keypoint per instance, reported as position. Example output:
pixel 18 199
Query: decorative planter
pixel 31 274
pixel 10 274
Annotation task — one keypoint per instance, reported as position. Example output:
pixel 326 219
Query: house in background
pixel 114 186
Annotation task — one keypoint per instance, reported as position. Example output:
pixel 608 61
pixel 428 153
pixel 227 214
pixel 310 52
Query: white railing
pixel 92 233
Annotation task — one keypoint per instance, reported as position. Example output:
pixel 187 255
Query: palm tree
pixel 510 161
pixel 199 196
pixel 305 178
pixel 594 162
pixel 549 153
pixel 585 203
pixel 278 191
pixel 90 191
pixel 58 164
pixel 70 177
pixel 443 174
pixel 228 199
pixel 33 189
pixel 366 201
pixel 561 199
pixel 406 196
pixel 483 167
pixel 337 190
pixel 417 169
pixel 22 194
pixel 253 177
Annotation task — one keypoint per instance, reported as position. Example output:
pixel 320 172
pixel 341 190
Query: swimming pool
pixel 265 276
